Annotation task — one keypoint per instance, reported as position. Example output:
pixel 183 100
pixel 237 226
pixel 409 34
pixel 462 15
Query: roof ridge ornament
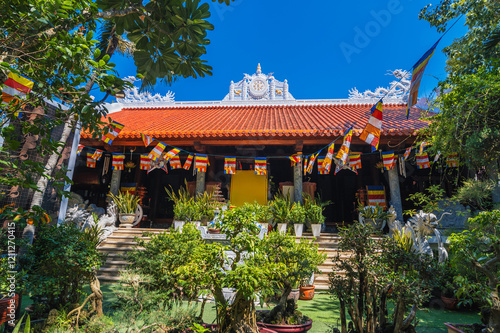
pixel 396 93
pixel 258 87
pixel 134 96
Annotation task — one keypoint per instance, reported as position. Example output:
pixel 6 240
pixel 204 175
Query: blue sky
pixel 323 48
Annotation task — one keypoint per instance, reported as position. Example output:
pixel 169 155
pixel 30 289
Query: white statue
pixel 82 217
pixel 398 90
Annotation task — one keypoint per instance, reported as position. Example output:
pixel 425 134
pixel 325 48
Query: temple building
pixel 258 118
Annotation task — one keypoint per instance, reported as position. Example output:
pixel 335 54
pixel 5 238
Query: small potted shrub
pixel 181 201
pixel 264 216
pixel 280 207
pixel 127 206
pixel 314 215
pixel 297 216
pixel 373 215
pixel 206 207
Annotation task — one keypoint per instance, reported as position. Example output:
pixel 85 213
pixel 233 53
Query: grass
pixel 325 312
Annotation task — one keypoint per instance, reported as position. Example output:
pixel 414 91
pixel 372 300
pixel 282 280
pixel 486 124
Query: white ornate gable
pixel 258 87
pixel 396 93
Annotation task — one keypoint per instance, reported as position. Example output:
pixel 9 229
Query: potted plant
pixel 127 206
pixel 297 216
pixel 373 215
pixel 206 207
pixel 264 216
pixel 280 207
pixel 314 215
pixel 181 201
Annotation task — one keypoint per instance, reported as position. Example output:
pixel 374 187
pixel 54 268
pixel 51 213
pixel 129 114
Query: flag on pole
pixel 188 162
pixel 389 160
pixel 79 150
pixel 97 154
pixel 145 162
pixel 229 165
pixel 171 154
pixel 372 130
pixel 321 168
pixel 156 152
pixel 312 159
pixel 327 161
pixel 260 166
pixel 118 161
pixel 146 139
pixel 114 129
pixel 295 158
pixel 343 153
pixel 416 77
pixel 407 153
pixel 90 161
pixel 452 160
pixel 201 163
pixel 422 160
pixel 175 162
pixel 355 162
pixel 16 87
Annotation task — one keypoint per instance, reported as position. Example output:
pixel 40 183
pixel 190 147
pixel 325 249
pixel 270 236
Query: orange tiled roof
pixel 283 120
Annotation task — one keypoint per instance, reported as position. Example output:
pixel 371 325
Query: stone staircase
pixel 122 240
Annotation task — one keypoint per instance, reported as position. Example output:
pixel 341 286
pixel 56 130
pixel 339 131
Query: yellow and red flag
pixel 310 165
pixel 114 129
pixel 90 161
pixel 422 160
pixel 343 153
pixel 452 160
pixel 188 162
pixel 175 162
pixel 201 163
pixel 295 158
pixel 355 162
pixel 145 162
pixel 327 161
pixel 146 139
pixel 97 154
pixel 407 154
pixel 260 166
pixel 118 161
pixel 157 151
pixel 321 168
pixel 171 154
pixel 230 165
pixel 372 130
pixel 16 86
pixel 389 160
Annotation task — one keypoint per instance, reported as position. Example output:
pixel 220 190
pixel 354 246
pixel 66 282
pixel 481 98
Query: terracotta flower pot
pixel 307 293
pixel 213 231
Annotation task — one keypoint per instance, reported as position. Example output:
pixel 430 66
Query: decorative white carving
pixel 134 96
pixel 397 92
pixel 258 86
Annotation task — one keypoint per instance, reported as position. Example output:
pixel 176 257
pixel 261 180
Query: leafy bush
pixel 126 203
pixel 61 260
pixel 297 214
pixel 476 194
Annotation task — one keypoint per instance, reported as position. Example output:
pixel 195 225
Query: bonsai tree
pixel 480 248
pixel 126 203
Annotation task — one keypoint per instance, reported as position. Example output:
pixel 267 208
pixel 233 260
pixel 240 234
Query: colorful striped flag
pixel 90 161
pixel 114 129
pixel 422 160
pixel 343 153
pixel 201 163
pixel 171 154
pixel 79 150
pixel 97 154
pixel 389 160
pixel 327 161
pixel 16 87
pixel 422 146
pixel 407 153
pixel 157 151
pixel 260 166
pixel 416 77
pixel 372 130
pixel 128 188
pixel 304 169
pixel 376 196
pixel 312 159
pixel 438 155
pixel 145 162
pixel 175 162
pixel 229 165
pixel 188 162
pixel 355 162
pixel 118 161
pixel 452 160
pixel 321 168
pixel 146 139
pixel 295 158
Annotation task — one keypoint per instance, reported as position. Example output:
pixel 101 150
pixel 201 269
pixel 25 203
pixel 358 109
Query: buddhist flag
pixel 310 166
pixel 145 162
pixel 90 161
pixel 371 133
pixel 421 147
pixel 295 158
pixel 346 145
pixel 230 165
pixel 321 168
pixel 16 86
pixel 422 160
pixel 97 154
pixel 355 162
pixel 376 195
pixel 452 160
pixel 171 154
pixel 438 155
pixel 327 161
pixel 305 165
pixel 260 166
pixel 146 139
pixel 79 150
pixel 407 153
pixel 114 129
pixel 157 151
pixel 118 161
pixel 416 77
pixel 201 163
pixel 175 162
pixel 188 162
pixel 389 160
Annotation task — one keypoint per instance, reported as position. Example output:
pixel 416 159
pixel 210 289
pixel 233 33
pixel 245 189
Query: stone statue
pixel 82 216
pixel 398 90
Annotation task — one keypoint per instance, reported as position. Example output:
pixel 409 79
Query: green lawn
pixel 324 312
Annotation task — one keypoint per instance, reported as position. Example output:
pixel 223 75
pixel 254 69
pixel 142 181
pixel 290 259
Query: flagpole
pixel 71 168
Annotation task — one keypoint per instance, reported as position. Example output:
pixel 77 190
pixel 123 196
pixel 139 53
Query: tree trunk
pixel 399 313
pixel 95 287
pixel 343 321
pixel 494 321
pixel 240 317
